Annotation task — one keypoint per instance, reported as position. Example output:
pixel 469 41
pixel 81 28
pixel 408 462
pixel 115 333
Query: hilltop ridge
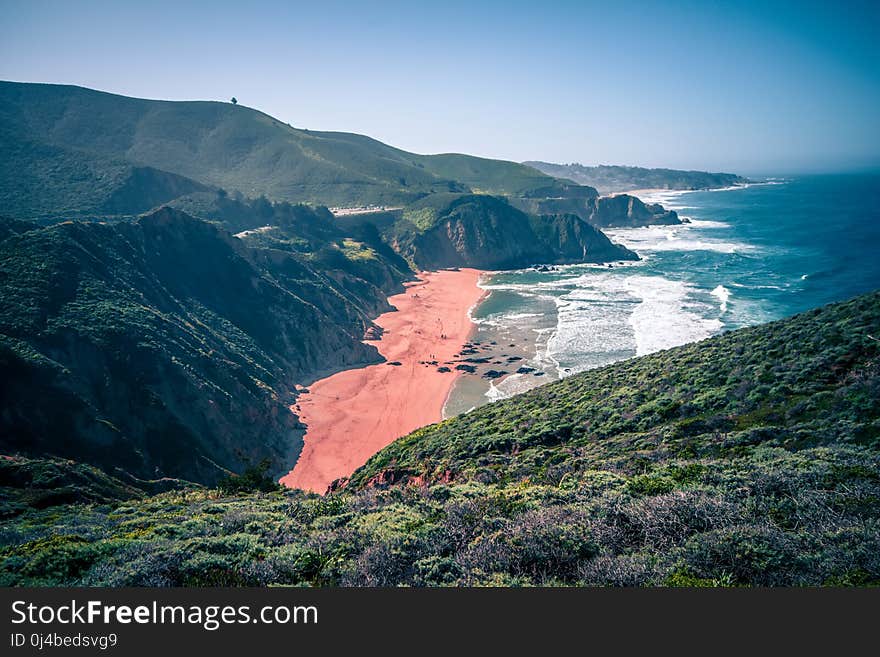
pixel 80 148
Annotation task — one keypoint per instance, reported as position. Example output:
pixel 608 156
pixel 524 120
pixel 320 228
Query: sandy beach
pixel 353 414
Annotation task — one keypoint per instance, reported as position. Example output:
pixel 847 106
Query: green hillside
pixel 68 151
pixel 166 347
pixel 751 458
pixel 486 176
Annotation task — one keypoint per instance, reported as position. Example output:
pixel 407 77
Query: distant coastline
pixel 615 179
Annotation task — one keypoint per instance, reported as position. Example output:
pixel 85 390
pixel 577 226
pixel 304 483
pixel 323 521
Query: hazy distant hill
pixel 74 151
pixel 609 179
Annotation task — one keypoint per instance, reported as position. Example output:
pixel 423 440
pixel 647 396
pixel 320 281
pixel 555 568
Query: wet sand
pixel 353 414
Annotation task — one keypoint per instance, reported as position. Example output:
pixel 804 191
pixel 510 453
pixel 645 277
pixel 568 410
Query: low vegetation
pixel 750 459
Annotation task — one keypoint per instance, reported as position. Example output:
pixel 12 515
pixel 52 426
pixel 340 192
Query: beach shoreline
pixel 354 413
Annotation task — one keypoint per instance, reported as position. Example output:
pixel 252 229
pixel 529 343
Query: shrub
pixel 254 478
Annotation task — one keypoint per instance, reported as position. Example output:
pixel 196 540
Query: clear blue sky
pixel 743 86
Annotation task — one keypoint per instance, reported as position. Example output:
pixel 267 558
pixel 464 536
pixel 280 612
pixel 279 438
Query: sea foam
pixel 673 238
pixel 723 295
pixel 665 318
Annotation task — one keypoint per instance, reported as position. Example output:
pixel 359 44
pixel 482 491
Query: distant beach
pixel 353 414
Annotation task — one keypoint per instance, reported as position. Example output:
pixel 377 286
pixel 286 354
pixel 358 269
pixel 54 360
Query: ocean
pixel 749 255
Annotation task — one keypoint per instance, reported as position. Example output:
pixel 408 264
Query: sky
pixel 748 87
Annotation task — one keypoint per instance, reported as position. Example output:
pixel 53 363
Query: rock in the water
pixel 525 370
pixel 466 368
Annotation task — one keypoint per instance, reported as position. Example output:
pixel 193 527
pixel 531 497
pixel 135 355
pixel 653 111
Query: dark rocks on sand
pixel 514 358
pixel 525 370
pixel 476 360
pixel 396 363
pixel 466 368
pixel 494 374
pixel 443 369
pixel 538 374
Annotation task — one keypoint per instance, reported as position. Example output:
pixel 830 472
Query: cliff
pixel 169 348
pixel 624 210
pixel 621 210
pixel 486 232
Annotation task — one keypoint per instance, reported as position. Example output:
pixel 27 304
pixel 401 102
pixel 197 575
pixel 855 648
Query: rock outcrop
pixel 489 233
pixel 623 210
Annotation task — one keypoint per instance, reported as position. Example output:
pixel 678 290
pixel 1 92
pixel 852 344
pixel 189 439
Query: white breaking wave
pixel 664 318
pixel 760 287
pixel 665 197
pixel 673 238
pixel 606 316
pixel 706 223
pixel 723 295
pixel 521 315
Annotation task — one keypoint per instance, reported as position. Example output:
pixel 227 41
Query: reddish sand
pixel 353 414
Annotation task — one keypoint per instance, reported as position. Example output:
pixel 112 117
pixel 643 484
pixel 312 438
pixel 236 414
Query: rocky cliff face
pixel 488 233
pixel 624 210
pixel 621 210
pixel 168 347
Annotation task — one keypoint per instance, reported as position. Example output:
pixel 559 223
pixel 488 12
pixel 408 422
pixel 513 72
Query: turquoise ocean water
pixel 749 255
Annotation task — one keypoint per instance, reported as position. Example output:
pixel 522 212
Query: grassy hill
pixel 486 176
pixel 69 150
pixel 751 458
